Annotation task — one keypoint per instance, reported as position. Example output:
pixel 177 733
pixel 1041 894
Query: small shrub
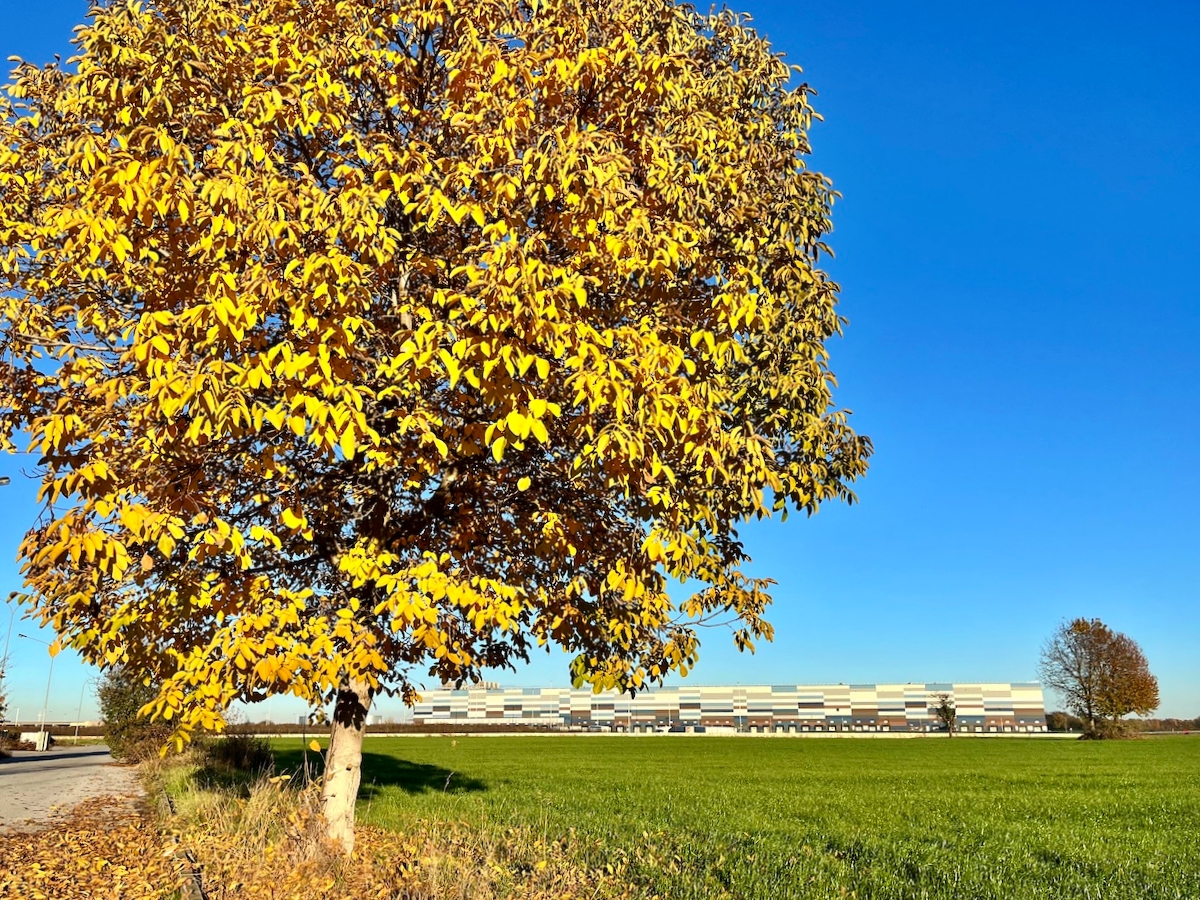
pixel 10 739
pixel 129 736
pixel 1110 730
pixel 239 753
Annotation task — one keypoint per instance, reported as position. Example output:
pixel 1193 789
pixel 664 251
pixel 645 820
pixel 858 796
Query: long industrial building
pixel 982 708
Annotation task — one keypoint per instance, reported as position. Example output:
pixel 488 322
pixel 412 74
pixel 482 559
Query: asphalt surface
pixel 36 789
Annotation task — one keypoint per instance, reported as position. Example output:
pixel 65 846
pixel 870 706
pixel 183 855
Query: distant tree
pixel 1167 724
pixel 1061 721
pixel 3 690
pixel 129 735
pixel 942 706
pixel 1155 725
pixel 1101 674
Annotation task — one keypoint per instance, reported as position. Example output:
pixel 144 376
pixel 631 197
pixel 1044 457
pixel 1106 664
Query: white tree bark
pixel 343 763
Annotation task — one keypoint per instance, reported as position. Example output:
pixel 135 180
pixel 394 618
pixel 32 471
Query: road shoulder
pixel 38 790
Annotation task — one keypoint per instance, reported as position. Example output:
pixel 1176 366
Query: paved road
pixel 37 788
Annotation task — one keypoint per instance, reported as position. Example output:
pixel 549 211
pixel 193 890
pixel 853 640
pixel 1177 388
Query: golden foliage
pixel 355 337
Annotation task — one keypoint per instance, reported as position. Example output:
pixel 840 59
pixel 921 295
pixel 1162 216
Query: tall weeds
pixel 260 836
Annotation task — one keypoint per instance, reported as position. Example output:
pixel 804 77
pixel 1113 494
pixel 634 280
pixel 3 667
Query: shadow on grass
pixel 380 771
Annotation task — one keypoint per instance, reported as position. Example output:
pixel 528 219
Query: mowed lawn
pixel 744 817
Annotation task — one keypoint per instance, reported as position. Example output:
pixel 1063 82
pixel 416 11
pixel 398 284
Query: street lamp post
pixel 4 479
pixel 8 636
pixel 79 712
pixel 46 701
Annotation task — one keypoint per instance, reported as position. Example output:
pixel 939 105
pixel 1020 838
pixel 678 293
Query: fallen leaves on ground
pixel 102 850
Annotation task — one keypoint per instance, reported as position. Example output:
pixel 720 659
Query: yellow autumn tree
pixel 365 339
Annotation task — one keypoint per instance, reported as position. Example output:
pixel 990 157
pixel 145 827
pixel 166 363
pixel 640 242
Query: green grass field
pixel 704 817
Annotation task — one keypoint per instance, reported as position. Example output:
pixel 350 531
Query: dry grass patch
pixel 261 839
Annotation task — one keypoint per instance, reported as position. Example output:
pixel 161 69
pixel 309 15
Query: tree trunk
pixel 343 763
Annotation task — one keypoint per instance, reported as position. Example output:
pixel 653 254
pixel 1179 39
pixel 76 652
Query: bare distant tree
pixel 942 706
pixel 1101 674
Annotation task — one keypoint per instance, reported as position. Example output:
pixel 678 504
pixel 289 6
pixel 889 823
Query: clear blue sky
pixel 1017 248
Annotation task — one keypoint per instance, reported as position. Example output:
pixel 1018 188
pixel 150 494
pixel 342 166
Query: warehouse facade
pixel 982 708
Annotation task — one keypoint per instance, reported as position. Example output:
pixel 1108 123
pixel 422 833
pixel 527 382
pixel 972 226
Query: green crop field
pixel 705 817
